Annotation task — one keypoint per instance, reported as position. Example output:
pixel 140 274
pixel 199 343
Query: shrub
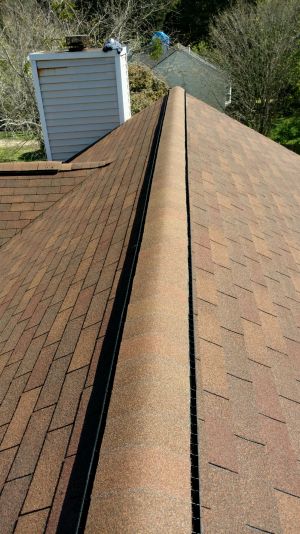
pixel 286 131
pixel 145 87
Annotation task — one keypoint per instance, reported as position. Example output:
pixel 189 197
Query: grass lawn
pixel 19 148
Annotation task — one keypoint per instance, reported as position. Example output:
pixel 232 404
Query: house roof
pixel 28 189
pixel 150 335
pixel 177 48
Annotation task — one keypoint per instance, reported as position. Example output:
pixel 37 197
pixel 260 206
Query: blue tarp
pixel 165 39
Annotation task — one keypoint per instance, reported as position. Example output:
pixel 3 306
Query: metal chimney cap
pixel 76 43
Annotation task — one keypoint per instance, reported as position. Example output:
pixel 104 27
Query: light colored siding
pixel 80 77
pixel 86 69
pixel 69 143
pixel 81 111
pixel 78 85
pixel 64 138
pixel 84 62
pixel 82 123
pixel 67 153
pixel 125 87
pixel 80 98
pixel 80 107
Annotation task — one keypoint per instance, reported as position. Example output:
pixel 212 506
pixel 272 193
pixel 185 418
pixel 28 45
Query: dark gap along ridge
pixel 75 508
pixel 194 454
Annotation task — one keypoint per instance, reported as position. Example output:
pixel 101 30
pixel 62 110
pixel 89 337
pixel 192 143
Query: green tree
pixel 286 128
pixel 190 20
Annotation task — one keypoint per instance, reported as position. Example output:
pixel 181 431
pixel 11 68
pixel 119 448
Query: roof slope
pixel 245 214
pixel 26 192
pixel 58 281
pixel 202 429
pixel 245 278
pixel 147 59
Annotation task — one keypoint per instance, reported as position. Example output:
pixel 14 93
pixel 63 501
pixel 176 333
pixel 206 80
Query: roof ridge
pixel 163 256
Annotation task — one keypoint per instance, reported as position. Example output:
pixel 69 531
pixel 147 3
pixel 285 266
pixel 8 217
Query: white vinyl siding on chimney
pixel 81 97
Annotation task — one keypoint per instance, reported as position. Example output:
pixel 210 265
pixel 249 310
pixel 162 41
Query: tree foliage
pixel 25 27
pixel 255 41
pixel 131 21
pixel 31 25
pixel 286 128
pixel 257 45
pixel 190 20
pixel 145 87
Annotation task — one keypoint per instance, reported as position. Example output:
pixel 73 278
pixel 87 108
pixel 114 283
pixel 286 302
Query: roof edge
pixel 144 472
pixel 48 167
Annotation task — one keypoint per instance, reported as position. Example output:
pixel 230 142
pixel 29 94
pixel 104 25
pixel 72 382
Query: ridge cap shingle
pixel 162 268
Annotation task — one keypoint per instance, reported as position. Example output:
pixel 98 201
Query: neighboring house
pixel 181 66
pixel 150 332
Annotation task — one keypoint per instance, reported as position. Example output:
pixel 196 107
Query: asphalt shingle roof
pixel 206 392
pixel 245 194
pixel 58 281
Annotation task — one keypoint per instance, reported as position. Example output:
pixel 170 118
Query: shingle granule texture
pixel 59 275
pixel 23 197
pixel 143 479
pixel 245 214
pixel 58 279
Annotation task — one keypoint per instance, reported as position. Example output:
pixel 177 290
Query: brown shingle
pixel 58 326
pixel 85 347
pixel 17 426
pixel 51 390
pixel 34 522
pixel 70 336
pixel 221 447
pixel 62 273
pixel 289 511
pixel 11 399
pixel 150 382
pixel 211 367
pixel 136 509
pixel 238 190
pixel 22 201
pixel 6 460
pixel 40 494
pixel 14 493
pixel 32 443
pixel 22 346
pixel 77 428
pixel 74 224
pixel 291 414
pixel 97 308
pixel 256 489
pixel 208 327
pixel 67 404
pixel 284 473
pixel 60 494
pixel 31 355
pixel 83 302
pixel 39 372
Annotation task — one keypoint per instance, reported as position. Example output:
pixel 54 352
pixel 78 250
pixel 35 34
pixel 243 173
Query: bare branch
pixel 257 46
